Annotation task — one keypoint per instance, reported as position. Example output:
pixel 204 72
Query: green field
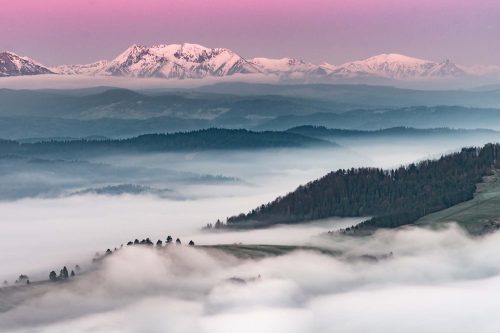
pixel 261 251
pixel 477 216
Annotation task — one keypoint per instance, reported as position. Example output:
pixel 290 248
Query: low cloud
pixel 435 281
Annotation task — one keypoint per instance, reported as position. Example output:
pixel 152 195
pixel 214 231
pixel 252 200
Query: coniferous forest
pixel 391 197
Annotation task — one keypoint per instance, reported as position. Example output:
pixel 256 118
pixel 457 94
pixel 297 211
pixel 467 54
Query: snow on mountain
pixel 95 68
pixel 397 67
pixel 290 68
pixel 283 65
pixel 327 67
pixel 12 64
pixel 445 68
pixel 182 61
pixel 178 61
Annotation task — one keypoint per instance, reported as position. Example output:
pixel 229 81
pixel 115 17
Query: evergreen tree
pixel 53 276
pixel 393 197
pixel 65 273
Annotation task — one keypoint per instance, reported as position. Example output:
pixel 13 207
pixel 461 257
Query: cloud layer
pixel 435 281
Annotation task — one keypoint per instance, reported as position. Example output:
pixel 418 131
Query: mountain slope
pixel 183 61
pixel 398 67
pixel 200 140
pixel 289 68
pixel 394 197
pixel 12 64
pixel 178 61
pixel 95 68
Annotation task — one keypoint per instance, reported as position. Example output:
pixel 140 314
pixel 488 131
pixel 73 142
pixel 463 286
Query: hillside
pixel 477 216
pixel 209 139
pixel 402 133
pixel 392 197
pixel 120 113
pixel 416 116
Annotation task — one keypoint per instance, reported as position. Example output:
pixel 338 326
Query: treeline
pixel 322 132
pixel 66 275
pixel 392 197
pixel 208 139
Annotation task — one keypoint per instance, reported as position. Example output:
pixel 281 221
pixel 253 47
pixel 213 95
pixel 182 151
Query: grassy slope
pixel 477 216
pixel 261 251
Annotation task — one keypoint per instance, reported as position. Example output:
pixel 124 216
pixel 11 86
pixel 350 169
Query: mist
pixel 433 281
pixel 189 289
pixel 54 81
pixel 55 225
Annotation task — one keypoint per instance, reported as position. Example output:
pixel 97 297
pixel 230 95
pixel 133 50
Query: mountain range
pixel 193 61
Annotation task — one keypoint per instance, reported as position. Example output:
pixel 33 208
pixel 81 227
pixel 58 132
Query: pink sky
pixel 79 31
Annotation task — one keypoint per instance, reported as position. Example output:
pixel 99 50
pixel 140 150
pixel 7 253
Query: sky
pixel 81 31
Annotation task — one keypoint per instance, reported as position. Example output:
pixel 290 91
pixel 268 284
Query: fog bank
pixel 435 281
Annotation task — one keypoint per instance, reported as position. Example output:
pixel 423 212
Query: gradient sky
pixel 81 31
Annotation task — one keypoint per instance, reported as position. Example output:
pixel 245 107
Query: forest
pixel 391 198
pixel 207 139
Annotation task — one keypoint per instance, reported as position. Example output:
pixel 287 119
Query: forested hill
pixel 209 139
pixel 393 197
pixel 389 133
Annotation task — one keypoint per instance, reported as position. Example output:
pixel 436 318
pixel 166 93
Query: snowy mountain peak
pixel 95 68
pixel 395 58
pixel 178 61
pixel 396 66
pixel 189 60
pixel 12 64
pixel 284 67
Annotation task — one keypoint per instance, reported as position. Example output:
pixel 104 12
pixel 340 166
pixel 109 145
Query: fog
pixel 51 81
pixel 432 274
pixel 435 281
pixel 45 231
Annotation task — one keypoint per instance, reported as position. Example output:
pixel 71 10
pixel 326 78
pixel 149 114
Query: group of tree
pixel 22 279
pixel 159 243
pixel 144 242
pixel 64 274
pixel 212 138
pixel 217 225
pixel 392 197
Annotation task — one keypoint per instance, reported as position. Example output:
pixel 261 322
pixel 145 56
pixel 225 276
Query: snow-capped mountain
pixel 282 65
pixel 397 67
pixel 95 68
pixel 290 68
pixel 178 61
pixel 182 61
pixel 12 64
pixel 167 61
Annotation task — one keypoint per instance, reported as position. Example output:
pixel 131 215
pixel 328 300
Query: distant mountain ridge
pixel 179 61
pixel 194 61
pixel 13 65
pixel 398 67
